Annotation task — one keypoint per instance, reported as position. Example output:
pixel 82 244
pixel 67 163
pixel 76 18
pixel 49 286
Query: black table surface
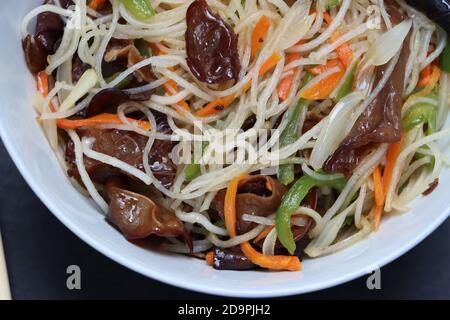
pixel 39 249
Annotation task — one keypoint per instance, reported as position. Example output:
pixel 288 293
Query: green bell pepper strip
pixel 219 223
pixel 143 48
pixel 347 85
pixel 332 4
pixel 122 84
pixel 444 60
pixel 140 9
pixel 291 202
pixel 290 134
pixel 286 172
pixel 418 156
pixel 421 113
pixel 193 170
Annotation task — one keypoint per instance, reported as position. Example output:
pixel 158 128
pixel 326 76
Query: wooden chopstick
pixel 5 292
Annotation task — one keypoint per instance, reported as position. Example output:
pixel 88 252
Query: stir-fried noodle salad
pixel 247 133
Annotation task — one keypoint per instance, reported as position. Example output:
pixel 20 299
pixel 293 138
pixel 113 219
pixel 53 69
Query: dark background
pixel 39 248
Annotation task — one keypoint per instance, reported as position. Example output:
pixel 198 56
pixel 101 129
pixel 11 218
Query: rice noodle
pixel 194 217
pixel 235 240
pixel 83 174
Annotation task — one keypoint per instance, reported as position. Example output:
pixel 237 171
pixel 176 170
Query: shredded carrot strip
pixel 269 64
pixel 377 213
pixel 284 88
pixel 170 86
pixel 378 186
pixel 224 102
pixel 42 86
pixel 230 204
pixel 210 258
pixel 155 49
pixel 104 118
pixel 96 4
pixel 42 82
pixel 327 18
pixel 344 51
pixel 391 158
pixel 425 76
pixel 322 68
pixel 290 263
pixel 381 184
pixel 434 79
pixel 263 234
pixel 258 35
pixel 325 87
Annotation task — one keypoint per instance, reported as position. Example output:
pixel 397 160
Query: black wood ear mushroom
pixel 436 10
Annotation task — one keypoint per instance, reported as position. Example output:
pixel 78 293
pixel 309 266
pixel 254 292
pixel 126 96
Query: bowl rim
pixel 188 284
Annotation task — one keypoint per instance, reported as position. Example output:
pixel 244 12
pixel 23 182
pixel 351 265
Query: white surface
pixel 26 144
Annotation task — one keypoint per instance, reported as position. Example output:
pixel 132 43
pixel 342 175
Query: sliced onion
pixel 87 81
pixel 389 43
pixel 333 133
pixel 268 248
pixel 296 32
pixel 64 74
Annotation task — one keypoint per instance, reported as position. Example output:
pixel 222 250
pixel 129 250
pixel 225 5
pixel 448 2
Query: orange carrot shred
pixel 381 184
pixel 258 35
pixel 325 87
pixel 210 258
pixel 327 18
pixel 322 68
pixel 344 51
pixel 290 263
pixel 345 54
pixel 391 158
pixel 269 63
pixel 284 88
pixel 377 213
pixel 104 118
pixel 378 186
pixel 425 76
pixel 42 86
pixel 96 4
pixel 42 82
pixel 263 234
pixel 230 205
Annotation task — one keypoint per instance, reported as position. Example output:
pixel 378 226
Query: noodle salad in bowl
pixel 251 134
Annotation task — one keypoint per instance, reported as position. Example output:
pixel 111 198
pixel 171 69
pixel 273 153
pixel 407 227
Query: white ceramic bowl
pixel 29 149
